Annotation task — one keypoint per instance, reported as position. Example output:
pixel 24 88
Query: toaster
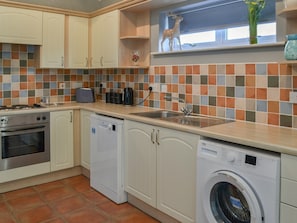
pixel 85 95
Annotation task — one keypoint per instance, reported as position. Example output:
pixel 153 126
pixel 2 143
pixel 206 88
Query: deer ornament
pixel 170 34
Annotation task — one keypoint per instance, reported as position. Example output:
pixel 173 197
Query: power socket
pixel 293 97
pixel 62 85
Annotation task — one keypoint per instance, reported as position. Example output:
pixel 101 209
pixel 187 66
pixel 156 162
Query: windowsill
pixel 228 48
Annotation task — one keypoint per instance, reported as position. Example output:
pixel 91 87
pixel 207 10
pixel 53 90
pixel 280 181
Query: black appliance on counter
pixel 112 97
pixel 128 96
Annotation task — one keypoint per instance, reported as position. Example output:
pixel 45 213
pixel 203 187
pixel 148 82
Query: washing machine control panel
pixel 252 160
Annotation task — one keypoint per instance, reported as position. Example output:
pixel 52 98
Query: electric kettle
pixel 128 96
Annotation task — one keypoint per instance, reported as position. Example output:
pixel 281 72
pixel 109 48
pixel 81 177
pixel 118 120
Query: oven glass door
pixel 22 142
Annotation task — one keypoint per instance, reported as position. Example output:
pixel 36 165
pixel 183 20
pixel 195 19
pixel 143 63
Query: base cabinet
pixel 288 207
pixel 85 132
pixel 161 168
pixel 61 140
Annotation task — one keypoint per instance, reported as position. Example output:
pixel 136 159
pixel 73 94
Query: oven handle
pixel 9 132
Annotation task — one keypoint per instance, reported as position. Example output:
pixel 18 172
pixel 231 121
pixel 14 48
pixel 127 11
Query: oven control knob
pixel 43 118
pixel 38 118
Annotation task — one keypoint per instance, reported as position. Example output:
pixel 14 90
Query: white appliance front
pixel 236 184
pixel 107 157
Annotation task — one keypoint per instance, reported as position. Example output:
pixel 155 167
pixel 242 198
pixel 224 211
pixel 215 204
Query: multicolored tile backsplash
pixel 248 92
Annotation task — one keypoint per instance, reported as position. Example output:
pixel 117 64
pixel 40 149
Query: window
pixel 218 23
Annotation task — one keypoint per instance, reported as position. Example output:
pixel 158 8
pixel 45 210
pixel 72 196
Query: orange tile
pixel 189 89
pixel 57 193
pixel 23 71
pixel 212 111
pixel 230 102
pixel 273 106
pixel 161 70
pixel 156 70
pixel 212 80
pixel 53 77
pixel 196 69
pixel 204 110
pixel 31 86
pixel 25 202
pixel 272 69
pixel 212 69
pixel 261 93
pixel 230 69
pixel 15 94
pixel 174 106
pixel 70 204
pixel 23 86
pixel 181 79
pixel 273 119
pixel 54 92
pixel 221 101
pixel 250 92
pixel 189 70
pixel 294 109
pixel 36 215
pixel 203 90
pixel 295 82
pixel 174 88
pixel 240 115
pixel 250 81
pixel 174 69
pixel 7 101
pixel 284 94
pixel 31 100
pixel 221 91
pixel 6 63
pixel 285 69
pixel 250 69
pixel 46 78
pixel 189 98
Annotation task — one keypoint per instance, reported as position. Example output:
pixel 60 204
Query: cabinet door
pixel 77 42
pixel 176 174
pixel 105 40
pixel 85 123
pixel 61 140
pixel 140 162
pixel 52 49
pixel 20 26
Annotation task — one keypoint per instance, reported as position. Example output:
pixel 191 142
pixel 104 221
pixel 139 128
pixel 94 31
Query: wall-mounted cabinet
pixel 76 42
pixel 135 37
pixel 21 26
pixel 51 53
pixel 291 15
pixel 104 48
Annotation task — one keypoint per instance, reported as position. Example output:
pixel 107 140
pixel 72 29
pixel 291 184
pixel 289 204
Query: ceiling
pixel 76 5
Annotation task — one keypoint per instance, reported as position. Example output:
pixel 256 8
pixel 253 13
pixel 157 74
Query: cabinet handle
pixel 62 61
pixel 71 119
pixel 157 137
pixel 152 136
pixel 101 61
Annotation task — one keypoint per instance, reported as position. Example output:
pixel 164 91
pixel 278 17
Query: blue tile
pixel 15 78
pixel 157 78
pixel 239 92
pixel 174 79
pixel 230 113
pixel 261 69
pixel 23 93
pixel 261 106
pixel 221 80
pixel 6 87
pixel 286 108
pixel 31 48
pixel 53 85
pixel 6 55
pixel 204 100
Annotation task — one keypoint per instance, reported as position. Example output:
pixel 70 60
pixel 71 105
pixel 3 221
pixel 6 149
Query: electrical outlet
pixel 62 85
pixel 293 97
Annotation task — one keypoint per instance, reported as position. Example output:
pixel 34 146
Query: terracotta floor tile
pixel 81 186
pixel 19 193
pixel 136 218
pixel 70 204
pixel 7 218
pixel 36 215
pixel 48 186
pixel 75 179
pixel 58 193
pixel 4 209
pixel 113 209
pixel 95 197
pixel 86 215
pixel 26 202
pixel 54 220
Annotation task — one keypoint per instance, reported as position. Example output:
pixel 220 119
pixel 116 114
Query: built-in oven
pixel 24 139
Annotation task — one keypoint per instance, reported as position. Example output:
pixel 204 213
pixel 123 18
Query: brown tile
pixel 273 119
pixel 26 202
pixel 57 193
pixel 4 209
pixel 284 94
pixel 36 215
pixel 86 215
pixel 261 93
pixel 196 69
pixel 250 69
pixel 48 186
pixel 240 115
pixel 212 69
pixel 7 218
pixel 54 220
pixel 19 193
pixel 95 197
pixel 114 209
pixel 75 180
pixel 272 69
pixel 136 218
pixel 70 204
pixel 273 106
pixel 230 69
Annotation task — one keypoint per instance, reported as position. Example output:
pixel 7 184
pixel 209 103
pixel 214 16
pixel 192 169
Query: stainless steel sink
pixel 179 118
pixel 158 114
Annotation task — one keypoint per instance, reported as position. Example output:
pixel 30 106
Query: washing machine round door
pixel 229 198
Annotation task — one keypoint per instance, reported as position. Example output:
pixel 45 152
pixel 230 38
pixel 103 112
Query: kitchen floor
pixel 70 200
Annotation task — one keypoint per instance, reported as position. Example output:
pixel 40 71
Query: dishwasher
pixel 107 157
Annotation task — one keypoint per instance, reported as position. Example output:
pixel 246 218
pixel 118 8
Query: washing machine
pixel 236 184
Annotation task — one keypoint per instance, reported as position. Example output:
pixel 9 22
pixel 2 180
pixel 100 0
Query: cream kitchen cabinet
pixel 77 34
pixel 20 26
pixel 51 53
pixel 288 206
pixel 104 48
pixel 161 168
pixel 85 123
pixel 61 139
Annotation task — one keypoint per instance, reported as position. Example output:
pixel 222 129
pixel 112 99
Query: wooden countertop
pixel 277 139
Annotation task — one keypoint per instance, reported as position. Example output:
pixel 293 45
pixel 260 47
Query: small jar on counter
pixel 291 47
